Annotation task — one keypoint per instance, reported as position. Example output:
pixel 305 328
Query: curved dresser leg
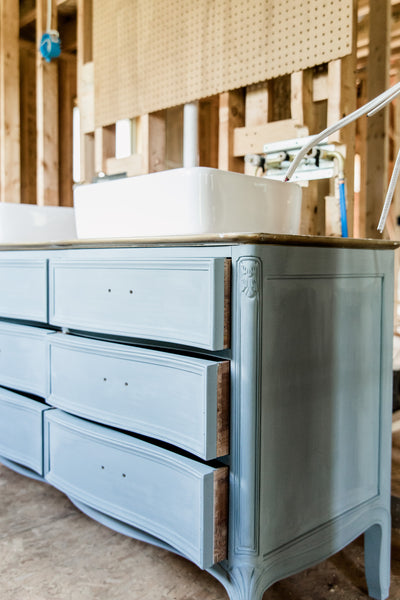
pixel 377 559
pixel 241 583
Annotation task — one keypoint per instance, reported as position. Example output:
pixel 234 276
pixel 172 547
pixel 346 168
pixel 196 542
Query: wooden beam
pixel 151 141
pixel 131 165
pixel 342 100
pixel 85 73
pixel 10 185
pixel 67 97
pixel 256 105
pixel 208 132
pixel 104 147
pixel 377 126
pixel 47 116
pixel 251 140
pixel 313 115
pixel 231 116
pixel 28 121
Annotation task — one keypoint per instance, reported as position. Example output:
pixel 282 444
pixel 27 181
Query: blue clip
pixel 50 45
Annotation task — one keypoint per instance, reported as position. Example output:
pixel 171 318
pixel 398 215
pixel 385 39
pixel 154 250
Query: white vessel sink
pixel 25 223
pixel 186 201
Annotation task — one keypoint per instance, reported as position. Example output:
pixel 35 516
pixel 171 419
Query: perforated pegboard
pixel 151 54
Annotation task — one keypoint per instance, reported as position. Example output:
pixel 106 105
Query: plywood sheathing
pixel 154 54
pixel 9 102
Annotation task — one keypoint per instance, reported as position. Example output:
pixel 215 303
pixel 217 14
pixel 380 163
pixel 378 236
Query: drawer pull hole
pixel 102 466
pixel 123 474
pixel 109 289
pixel 126 383
pixel 131 291
pixel 104 378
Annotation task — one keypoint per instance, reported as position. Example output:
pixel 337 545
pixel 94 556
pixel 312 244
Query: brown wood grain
pixel 223 408
pixel 221 497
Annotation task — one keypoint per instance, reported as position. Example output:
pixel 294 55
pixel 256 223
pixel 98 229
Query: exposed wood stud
pixel 151 141
pixel 28 122
pixel 10 186
pixel 231 115
pixel 209 132
pixel 104 147
pixel 256 105
pixel 67 96
pixel 47 116
pixel 377 126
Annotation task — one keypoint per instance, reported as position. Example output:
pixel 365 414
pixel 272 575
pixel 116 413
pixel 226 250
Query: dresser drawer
pixel 177 301
pixel 178 500
pixel 21 430
pixel 24 358
pixel 174 398
pixel 23 285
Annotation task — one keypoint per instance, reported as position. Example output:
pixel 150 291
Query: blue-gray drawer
pixel 174 498
pixel 24 358
pixel 23 284
pixel 174 398
pixel 21 430
pixel 178 301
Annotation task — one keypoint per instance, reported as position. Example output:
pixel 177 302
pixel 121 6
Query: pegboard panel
pixel 152 54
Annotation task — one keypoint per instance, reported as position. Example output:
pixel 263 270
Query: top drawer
pixel 23 285
pixel 178 301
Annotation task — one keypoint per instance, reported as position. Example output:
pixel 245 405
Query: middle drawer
pixel 178 399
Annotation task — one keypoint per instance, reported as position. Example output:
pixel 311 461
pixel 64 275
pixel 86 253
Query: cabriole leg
pixel 377 560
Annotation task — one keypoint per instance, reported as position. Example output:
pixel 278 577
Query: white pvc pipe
pixel 191 134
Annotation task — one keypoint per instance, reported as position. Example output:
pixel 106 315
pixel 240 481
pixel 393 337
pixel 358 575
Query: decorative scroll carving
pixel 249 275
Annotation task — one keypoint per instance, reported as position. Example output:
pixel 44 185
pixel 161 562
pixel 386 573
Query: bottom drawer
pixel 21 430
pixel 174 498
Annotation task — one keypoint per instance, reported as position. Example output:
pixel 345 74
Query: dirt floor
pixel 49 550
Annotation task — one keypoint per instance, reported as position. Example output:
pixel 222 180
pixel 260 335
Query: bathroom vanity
pixel 225 397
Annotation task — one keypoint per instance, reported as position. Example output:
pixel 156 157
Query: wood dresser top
pixel 210 240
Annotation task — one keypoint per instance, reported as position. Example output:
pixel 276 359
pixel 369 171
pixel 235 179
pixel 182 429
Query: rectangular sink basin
pixel 26 223
pixel 187 201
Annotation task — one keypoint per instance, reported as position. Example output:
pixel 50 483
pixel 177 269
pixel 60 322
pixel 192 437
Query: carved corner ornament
pixel 250 277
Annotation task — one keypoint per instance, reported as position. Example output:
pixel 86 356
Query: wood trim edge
pixel 223 408
pixel 221 513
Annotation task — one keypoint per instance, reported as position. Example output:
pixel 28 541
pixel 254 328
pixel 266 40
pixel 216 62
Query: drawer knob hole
pixel 109 289
pixel 104 378
pixel 123 474
pixel 102 466
pixel 131 291
pixel 126 383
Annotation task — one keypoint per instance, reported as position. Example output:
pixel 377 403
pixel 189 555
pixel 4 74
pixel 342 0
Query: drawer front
pixel 177 399
pixel 177 301
pixel 24 358
pixel 176 499
pixel 21 430
pixel 24 289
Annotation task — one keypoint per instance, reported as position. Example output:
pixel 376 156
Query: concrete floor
pixel 49 550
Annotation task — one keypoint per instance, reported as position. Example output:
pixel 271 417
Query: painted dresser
pixel 228 398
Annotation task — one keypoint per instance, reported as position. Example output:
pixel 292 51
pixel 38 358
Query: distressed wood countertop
pixel 210 239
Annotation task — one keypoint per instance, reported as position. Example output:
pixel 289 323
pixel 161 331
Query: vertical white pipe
pixel 190 134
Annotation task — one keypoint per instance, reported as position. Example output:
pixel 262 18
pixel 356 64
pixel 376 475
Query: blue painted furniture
pixel 228 399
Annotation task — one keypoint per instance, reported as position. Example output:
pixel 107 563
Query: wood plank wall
pixel 38 168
